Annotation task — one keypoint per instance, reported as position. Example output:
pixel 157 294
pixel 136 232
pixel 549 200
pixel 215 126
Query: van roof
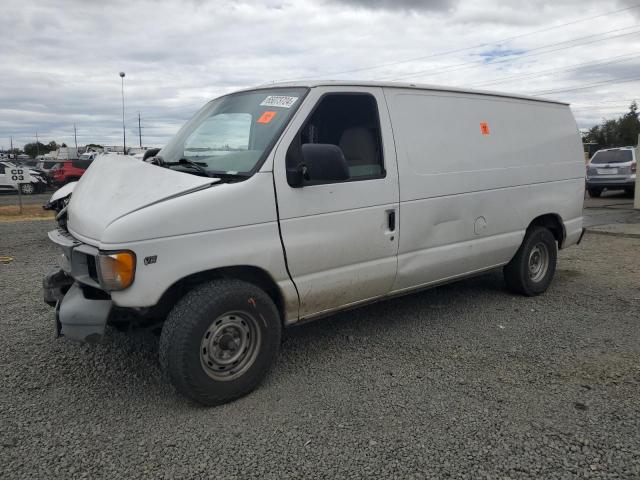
pixel 414 86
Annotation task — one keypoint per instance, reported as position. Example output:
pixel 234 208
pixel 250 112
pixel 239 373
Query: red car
pixel 68 171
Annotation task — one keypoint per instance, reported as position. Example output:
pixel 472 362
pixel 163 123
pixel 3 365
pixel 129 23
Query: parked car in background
pixel 89 156
pixel 47 165
pixel 38 180
pixel 31 163
pixel 69 171
pixel 612 169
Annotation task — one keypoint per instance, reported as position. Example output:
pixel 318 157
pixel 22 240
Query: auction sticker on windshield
pixel 282 101
pixel 266 117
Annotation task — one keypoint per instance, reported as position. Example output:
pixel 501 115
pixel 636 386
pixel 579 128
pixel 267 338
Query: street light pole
pixel 124 135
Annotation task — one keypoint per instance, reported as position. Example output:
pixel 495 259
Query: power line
pixel 473 63
pixel 629 100
pixel 601 107
pixel 480 45
pixel 546 92
pixel 570 68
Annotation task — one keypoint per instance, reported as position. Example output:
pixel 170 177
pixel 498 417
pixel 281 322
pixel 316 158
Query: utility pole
pixel 37 145
pixel 75 137
pixel 11 149
pixel 124 135
pixel 139 130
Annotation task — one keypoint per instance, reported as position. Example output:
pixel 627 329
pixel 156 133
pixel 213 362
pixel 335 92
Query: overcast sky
pixel 59 59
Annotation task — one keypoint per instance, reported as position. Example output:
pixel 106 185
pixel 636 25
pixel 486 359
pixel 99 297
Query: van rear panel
pixel 475 170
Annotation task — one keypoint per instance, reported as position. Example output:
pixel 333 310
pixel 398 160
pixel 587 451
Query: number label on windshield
pixel 283 101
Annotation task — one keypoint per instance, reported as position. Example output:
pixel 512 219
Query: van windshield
pixel 232 134
pixel 612 156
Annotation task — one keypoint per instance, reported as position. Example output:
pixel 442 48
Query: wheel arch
pixel 247 273
pixel 553 222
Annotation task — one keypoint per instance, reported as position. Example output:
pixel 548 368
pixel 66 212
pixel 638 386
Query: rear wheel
pixel 629 191
pixel 595 192
pixel 531 270
pixel 219 340
pixel 27 188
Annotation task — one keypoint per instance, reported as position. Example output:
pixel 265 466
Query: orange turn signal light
pixel 116 269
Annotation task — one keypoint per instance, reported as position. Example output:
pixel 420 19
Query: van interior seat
pixel 360 150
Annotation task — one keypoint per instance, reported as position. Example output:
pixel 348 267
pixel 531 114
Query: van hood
pixel 116 185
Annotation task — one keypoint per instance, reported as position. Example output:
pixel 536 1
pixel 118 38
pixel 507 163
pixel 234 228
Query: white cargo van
pixel 288 202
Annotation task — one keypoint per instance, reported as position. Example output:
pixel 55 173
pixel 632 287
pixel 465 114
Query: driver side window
pixel 351 122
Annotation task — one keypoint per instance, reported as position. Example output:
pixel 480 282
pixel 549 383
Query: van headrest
pixel 359 146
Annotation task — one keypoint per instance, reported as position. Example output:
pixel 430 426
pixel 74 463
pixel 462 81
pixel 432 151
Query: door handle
pixel 391 220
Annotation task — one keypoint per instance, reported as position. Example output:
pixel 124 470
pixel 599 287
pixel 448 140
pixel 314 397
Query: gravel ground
pixel 463 381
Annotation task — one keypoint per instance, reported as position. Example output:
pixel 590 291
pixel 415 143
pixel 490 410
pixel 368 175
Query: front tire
pixel 219 341
pixel 595 192
pixel 531 270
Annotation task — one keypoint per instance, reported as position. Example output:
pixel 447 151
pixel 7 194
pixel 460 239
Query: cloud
pixel 406 5
pixel 60 58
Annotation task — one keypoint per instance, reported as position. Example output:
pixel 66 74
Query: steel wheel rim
pixel 27 188
pixel 538 262
pixel 230 346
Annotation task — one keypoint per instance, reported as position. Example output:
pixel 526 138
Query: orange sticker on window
pixel 484 128
pixel 266 117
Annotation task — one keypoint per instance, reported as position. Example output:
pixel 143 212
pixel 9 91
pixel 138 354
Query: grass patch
pixel 11 213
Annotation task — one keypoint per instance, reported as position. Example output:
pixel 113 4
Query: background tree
pixel 629 126
pixel 32 149
pixel 621 132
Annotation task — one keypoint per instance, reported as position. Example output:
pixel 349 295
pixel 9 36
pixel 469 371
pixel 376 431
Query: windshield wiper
pixel 224 176
pixel 156 160
pixel 197 166
pixel 187 163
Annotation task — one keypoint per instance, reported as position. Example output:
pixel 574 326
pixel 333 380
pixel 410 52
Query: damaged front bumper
pixel 82 308
pixel 79 316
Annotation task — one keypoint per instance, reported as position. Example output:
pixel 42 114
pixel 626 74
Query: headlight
pixel 116 269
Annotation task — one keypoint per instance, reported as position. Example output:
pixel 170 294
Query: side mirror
pixel 324 162
pixel 297 175
pixel 151 152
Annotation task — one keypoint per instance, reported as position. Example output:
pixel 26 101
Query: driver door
pixel 341 238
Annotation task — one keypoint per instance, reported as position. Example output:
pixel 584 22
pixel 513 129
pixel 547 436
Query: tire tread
pixel 184 319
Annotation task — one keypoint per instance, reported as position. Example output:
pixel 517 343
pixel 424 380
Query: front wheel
pixel 219 340
pixel 595 192
pixel 531 270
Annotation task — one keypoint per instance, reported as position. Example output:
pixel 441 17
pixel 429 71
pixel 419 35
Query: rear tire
pixel 219 341
pixel 630 191
pixel 27 188
pixel 595 192
pixel 531 270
